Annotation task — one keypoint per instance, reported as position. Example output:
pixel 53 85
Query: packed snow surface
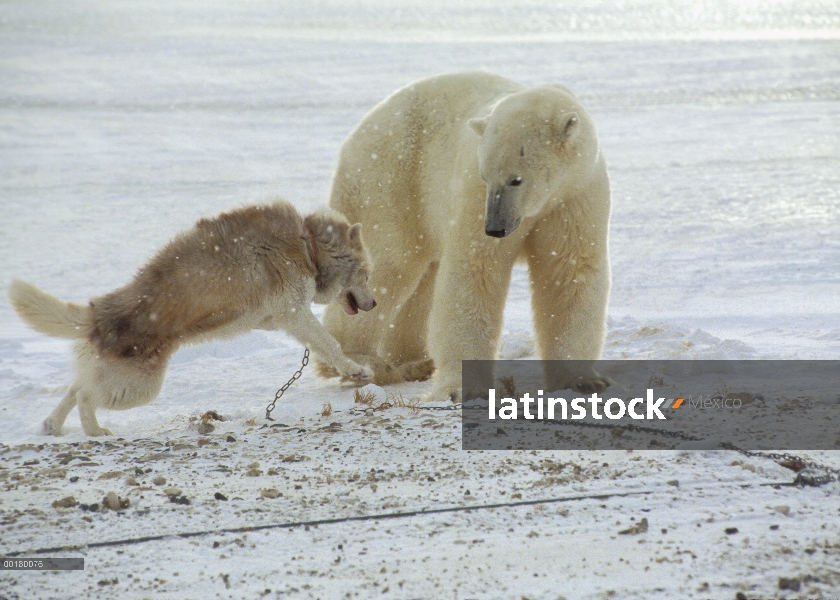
pixel 122 123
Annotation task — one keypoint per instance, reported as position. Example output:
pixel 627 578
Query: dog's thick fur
pixel 258 267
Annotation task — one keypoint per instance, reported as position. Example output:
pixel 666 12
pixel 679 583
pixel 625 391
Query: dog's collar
pixel 313 246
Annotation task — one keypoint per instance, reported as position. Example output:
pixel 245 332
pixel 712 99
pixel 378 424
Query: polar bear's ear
pixel 354 234
pixel 565 126
pixel 478 125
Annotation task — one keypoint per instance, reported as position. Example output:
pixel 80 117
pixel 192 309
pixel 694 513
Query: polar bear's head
pixel 532 145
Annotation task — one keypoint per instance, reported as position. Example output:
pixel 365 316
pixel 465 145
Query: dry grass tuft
pixel 391 401
pixel 326 410
pixel 398 401
pixel 365 398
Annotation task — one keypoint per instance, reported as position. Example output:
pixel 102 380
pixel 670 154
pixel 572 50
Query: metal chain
pixel 802 478
pixel 386 405
pixel 288 384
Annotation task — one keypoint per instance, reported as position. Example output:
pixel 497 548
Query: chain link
pixel 288 384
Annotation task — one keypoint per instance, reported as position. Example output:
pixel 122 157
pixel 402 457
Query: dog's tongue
pixel 349 309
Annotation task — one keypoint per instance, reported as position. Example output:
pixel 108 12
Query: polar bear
pixel 455 178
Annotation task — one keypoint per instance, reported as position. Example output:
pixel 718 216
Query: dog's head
pixel 355 294
pixel 343 263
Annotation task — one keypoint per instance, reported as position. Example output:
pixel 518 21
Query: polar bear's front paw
pixel 591 385
pixel 577 376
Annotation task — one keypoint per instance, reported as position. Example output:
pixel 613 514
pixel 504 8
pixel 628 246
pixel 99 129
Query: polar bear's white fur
pixel 455 178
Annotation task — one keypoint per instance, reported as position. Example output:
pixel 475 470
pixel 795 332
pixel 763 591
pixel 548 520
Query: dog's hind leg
pixel 87 414
pixel 54 422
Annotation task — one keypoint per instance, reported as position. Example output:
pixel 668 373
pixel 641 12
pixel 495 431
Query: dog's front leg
pixel 54 422
pixel 304 326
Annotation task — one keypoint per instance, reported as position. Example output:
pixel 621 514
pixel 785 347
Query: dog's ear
pixel 354 234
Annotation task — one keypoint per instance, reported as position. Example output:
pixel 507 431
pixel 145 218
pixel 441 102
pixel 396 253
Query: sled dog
pixel 258 267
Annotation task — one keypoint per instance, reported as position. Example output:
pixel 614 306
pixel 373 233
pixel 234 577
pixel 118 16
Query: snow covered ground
pixel 122 123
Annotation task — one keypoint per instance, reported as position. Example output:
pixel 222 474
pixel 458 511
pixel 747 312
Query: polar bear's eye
pixel 515 181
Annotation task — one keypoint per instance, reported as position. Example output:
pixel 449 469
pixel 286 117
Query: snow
pixel 122 123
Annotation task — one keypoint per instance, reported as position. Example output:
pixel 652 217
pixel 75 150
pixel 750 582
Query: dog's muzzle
pixel 352 305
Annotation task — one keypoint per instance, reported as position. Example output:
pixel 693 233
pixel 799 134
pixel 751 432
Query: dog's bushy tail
pixel 47 314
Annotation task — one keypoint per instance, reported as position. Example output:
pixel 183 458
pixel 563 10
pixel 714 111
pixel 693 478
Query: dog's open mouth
pixel 349 304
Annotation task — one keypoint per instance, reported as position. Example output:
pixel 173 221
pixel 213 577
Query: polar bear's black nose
pixel 497 233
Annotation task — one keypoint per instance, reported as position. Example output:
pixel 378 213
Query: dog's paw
pixel 50 428
pixel 99 431
pixel 324 370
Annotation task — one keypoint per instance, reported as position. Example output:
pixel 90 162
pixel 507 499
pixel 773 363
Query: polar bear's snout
pixel 499 219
